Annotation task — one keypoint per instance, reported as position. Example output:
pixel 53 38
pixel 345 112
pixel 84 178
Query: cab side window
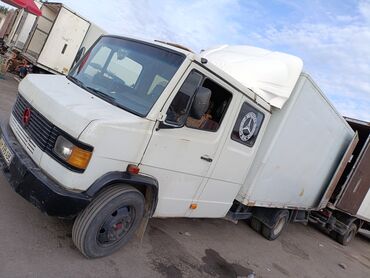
pixel 200 103
pixel 218 104
pixel 179 108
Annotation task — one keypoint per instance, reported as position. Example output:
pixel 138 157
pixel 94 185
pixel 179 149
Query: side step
pixel 235 216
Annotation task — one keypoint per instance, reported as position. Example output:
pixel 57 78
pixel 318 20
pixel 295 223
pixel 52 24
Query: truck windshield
pixel 126 73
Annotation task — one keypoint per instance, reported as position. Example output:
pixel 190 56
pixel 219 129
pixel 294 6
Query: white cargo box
pixel 55 38
pixel 299 153
pixel 92 35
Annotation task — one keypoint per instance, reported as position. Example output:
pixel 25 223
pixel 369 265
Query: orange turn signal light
pixel 193 206
pixel 79 158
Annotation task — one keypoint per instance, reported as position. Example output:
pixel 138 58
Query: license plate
pixel 5 152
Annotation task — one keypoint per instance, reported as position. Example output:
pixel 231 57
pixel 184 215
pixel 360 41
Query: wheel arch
pixel 147 185
pixel 359 223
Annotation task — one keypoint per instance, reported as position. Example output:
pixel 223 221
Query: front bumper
pixel 31 183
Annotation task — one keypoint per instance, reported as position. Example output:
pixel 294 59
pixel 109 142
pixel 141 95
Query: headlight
pixel 70 153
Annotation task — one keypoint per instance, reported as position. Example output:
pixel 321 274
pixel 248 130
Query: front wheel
pixel 109 221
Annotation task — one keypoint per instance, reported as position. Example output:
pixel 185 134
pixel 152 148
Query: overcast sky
pixel 331 36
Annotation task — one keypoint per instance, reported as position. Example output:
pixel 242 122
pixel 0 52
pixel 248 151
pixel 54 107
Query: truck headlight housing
pixel 76 156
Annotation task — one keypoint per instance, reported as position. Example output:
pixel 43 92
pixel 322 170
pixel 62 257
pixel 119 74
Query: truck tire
pixel 348 236
pixel 256 225
pixel 280 221
pixel 109 221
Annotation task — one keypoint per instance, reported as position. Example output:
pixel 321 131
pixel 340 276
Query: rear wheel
pixel 280 222
pixel 348 236
pixel 109 221
pixel 256 224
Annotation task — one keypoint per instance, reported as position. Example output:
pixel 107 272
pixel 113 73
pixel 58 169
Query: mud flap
pixel 140 232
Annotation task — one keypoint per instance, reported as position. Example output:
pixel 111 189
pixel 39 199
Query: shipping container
pixel 92 35
pixel 347 206
pixel 352 194
pixel 55 38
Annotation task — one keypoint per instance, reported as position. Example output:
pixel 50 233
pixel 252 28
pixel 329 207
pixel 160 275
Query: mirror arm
pixel 159 125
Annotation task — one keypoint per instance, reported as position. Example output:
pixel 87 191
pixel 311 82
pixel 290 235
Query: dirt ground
pixel 35 245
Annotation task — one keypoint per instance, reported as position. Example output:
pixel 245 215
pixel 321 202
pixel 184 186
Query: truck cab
pixel 137 129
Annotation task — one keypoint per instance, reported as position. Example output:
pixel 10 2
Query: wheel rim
pixel 279 226
pixel 350 235
pixel 115 226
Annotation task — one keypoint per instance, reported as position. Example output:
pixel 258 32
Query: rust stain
pixel 302 193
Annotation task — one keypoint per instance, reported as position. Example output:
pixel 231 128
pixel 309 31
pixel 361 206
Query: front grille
pixel 41 131
pixel 22 135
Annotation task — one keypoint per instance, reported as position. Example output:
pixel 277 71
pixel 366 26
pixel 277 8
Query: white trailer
pixel 55 38
pixel 92 35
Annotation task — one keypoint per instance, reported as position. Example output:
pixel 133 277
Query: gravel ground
pixel 35 245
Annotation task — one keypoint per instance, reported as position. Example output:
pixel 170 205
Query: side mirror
pixel 176 118
pixel 201 103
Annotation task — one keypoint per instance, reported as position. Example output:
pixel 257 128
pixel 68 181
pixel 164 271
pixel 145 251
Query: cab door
pixel 180 152
pixel 234 159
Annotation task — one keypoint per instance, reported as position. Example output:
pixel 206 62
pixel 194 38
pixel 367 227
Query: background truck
pixel 56 37
pixel 348 208
pixel 144 129
pixel 7 24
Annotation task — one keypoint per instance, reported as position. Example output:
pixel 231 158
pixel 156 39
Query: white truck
pixel 144 129
pixel 55 37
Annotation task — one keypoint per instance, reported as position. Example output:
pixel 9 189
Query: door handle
pixel 206 158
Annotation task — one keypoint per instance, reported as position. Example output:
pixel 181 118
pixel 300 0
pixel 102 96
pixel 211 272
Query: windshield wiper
pixel 103 96
pixel 76 81
pixel 99 94
pixel 94 91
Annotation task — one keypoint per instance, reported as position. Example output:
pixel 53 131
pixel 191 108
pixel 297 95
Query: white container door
pixel 181 157
pixel 63 42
